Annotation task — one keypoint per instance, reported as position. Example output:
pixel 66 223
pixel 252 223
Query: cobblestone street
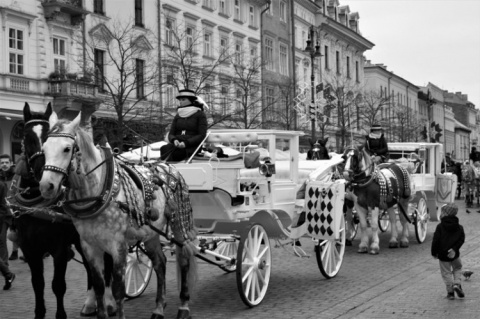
pixel 398 283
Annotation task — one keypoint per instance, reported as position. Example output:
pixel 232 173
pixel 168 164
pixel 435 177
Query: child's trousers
pixel 451 273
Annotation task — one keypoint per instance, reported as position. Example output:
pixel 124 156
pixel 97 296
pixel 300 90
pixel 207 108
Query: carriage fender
pixel 274 222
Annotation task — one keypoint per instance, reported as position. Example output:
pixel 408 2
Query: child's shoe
pixel 458 289
pixel 450 296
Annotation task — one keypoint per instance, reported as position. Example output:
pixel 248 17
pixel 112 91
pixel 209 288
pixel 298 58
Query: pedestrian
pixel 447 240
pixel 474 156
pixel 188 129
pixel 376 144
pixel 5 221
pixel 7 171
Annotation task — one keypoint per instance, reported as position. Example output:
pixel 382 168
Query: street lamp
pixel 314 53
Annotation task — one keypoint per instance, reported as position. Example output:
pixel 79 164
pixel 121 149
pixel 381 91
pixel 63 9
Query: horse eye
pixel 67 149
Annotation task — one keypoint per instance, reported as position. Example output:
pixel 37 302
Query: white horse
pixel 374 189
pixel 111 212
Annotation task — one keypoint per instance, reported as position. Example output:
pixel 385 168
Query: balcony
pixel 64 11
pixel 73 91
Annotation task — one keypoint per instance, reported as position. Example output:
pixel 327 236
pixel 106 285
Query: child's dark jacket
pixel 448 234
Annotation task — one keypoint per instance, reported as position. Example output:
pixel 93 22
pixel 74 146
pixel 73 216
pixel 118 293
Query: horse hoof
pixel 404 245
pixel 362 250
pixel 88 312
pixel 393 245
pixel 348 242
pixel 373 252
pixel 156 316
pixel 183 314
pixel 111 311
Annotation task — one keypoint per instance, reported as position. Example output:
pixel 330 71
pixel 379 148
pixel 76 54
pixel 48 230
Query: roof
pixel 410 147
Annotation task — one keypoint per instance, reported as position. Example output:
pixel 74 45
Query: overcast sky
pixel 423 41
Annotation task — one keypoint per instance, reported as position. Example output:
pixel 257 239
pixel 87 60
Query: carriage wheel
pixel 254 263
pixel 383 221
pixel 421 219
pixel 228 248
pixel 330 253
pixel 138 272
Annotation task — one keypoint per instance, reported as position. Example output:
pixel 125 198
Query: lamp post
pixel 314 53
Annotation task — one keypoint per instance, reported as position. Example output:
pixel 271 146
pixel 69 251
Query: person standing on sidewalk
pixel 447 240
pixel 7 171
pixel 5 221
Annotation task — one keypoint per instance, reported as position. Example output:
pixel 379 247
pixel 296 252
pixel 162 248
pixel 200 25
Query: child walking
pixel 449 236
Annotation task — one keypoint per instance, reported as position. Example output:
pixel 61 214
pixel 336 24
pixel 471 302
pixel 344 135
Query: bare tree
pixel 121 59
pixel 370 105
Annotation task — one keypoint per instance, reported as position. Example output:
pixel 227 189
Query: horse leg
pixel 118 277
pixel 404 243
pixel 94 257
pixel 34 257
pixel 374 245
pixel 362 216
pixel 89 308
pixel 159 261
pixel 59 286
pixel 393 227
pixel 349 224
pixel 187 264
pixel 110 302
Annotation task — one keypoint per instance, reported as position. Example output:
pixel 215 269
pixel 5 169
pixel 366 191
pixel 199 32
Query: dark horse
pixel 374 188
pixel 41 226
pixel 318 150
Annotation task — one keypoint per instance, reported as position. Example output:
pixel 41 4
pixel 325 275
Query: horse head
pixel 59 149
pixel 34 135
pixel 357 163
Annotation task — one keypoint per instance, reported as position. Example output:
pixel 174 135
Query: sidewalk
pixel 397 283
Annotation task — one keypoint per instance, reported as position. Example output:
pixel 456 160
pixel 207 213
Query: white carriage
pixel 430 188
pixel 239 210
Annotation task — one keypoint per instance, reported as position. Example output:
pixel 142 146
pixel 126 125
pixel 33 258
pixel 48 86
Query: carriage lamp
pixel 267 168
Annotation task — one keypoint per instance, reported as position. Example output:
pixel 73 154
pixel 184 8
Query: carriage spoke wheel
pixel 383 221
pixel 228 248
pixel 421 219
pixel 138 272
pixel 330 253
pixel 254 263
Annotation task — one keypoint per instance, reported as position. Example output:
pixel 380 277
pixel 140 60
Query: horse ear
pixel 76 122
pixel 326 139
pixel 53 119
pixel 48 111
pixel 27 115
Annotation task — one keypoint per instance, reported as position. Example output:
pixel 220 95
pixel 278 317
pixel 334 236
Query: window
pixel 269 53
pixel 224 100
pixel 16 51
pixel 239 102
pixel 283 60
pixel 169 97
pixel 337 57
pixel 208 94
pixel 253 52
pixel 98 7
pixel 140 74
pixel 238 52
pixel 283 12
pixel 237 12
pixel 189 39
pixel 348 67
pixel 251 16
pixel 270 99
pixel 207 44
pixel 99 59
pixel 357 76
pixel 138 13
pixel 381 91
pixel 224 45
pixel 59 57
pixel 225 7
pixel 327 64
pixel 169 31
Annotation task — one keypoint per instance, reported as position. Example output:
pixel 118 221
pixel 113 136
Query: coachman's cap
pixel 186 94
pixel 376 127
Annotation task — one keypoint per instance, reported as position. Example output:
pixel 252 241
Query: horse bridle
pixel 57 169
pixel 357 169
pixel 37 154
